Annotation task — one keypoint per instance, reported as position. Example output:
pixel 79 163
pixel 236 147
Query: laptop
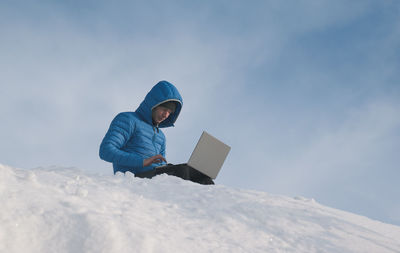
pixel 208 156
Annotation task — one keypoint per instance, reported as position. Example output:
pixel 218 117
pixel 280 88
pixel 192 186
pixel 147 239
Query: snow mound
pixel 59 209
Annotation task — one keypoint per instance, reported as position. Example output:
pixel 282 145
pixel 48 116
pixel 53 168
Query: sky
pixel 306 93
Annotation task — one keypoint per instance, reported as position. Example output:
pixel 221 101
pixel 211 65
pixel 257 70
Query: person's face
pixel 160 114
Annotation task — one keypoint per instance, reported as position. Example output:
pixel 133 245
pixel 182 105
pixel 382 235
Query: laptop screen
pixel 209 155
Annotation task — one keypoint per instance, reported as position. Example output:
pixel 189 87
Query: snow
pixel 57 209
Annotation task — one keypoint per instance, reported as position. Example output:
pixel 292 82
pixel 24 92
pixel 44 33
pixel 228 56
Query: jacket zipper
pixel 154 139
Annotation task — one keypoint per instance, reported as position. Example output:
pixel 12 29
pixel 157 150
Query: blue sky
pixel 307 93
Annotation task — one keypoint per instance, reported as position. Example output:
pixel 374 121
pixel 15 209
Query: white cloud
pixel 242 71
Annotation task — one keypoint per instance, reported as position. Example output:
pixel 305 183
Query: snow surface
pixel 59 209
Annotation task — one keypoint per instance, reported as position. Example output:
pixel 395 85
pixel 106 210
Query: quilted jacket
pixel 132 137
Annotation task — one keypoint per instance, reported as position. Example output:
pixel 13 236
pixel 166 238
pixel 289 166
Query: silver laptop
pixel 208 156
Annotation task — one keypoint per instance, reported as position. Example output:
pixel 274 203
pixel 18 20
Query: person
pixel 134 141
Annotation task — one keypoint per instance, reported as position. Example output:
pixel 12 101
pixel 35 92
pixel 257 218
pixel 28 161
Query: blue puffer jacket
pixel 132 137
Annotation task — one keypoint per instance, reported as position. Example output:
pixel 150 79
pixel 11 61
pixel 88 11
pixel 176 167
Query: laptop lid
pixel 209 155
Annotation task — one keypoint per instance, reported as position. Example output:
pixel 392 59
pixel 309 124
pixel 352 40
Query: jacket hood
pixel 162 92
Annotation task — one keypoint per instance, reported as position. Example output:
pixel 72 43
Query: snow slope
pixel 65 210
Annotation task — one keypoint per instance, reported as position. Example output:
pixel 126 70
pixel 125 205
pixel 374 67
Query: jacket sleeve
pixel 121 129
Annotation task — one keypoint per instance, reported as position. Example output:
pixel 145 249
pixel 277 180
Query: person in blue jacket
pixel 134 141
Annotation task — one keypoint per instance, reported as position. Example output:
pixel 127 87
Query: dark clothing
pixel 183 171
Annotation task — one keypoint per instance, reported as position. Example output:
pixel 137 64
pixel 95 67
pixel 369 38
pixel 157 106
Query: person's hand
pixel 154 159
